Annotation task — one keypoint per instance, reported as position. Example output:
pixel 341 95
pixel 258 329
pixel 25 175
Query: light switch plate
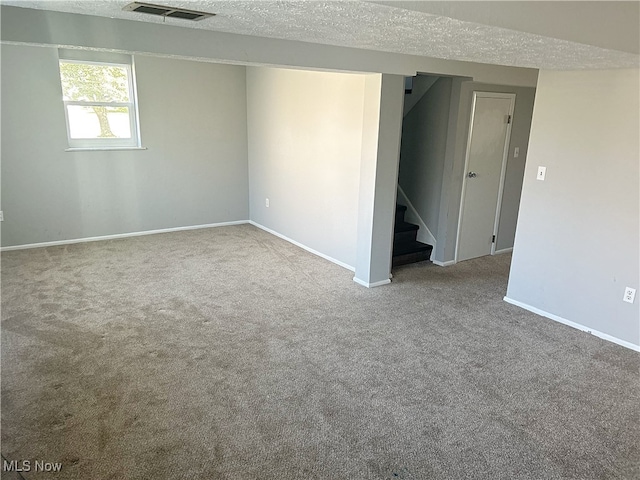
pixel 516 152
pixel 542 172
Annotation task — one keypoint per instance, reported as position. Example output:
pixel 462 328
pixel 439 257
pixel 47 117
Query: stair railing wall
pixel 424 234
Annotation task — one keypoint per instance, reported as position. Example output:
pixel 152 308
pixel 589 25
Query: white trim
pixel 371 285
pixel 503 168
pixel 444 264
pixel 464 176
pixel 119 235
pixel 304 247
pixel 423 226
pixel 134 88
pixel 503 171
pixel 503 250
pixel 577 326
pixel 100 149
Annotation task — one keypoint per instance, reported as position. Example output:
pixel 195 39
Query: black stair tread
pixel 400 211
pixel 411 247
pixel 405 227
pixel 408 258
pixel 400 208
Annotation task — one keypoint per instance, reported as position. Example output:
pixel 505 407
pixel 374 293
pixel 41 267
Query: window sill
pixel 97 149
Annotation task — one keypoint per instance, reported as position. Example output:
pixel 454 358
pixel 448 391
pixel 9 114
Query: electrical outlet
pixel 1 216
pixel 266 202
pixel 542 172
pixel 516 152
pixel 629 295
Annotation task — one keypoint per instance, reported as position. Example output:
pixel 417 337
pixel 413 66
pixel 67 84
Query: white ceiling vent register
pixel 165 11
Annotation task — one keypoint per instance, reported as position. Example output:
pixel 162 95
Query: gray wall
pixel 421 84
pixel 382 115
pixel 423 152
pixel 577 239
pixel 193 122
pixel 305 146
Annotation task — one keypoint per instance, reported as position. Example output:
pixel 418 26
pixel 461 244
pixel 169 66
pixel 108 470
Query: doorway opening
pixel 433 181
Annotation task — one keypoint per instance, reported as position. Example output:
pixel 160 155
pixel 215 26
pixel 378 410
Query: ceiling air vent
pixel 164 11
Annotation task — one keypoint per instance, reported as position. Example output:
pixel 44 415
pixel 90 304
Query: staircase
pixel 406 249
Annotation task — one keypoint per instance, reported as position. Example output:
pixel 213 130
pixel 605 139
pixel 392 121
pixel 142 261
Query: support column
pixel 382 130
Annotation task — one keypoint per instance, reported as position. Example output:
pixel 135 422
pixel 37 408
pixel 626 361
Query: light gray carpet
pixel 228 353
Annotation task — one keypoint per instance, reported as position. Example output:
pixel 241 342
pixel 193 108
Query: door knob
pixel 472 174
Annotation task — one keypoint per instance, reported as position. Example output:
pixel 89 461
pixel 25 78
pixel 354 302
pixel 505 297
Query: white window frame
pixel 134 124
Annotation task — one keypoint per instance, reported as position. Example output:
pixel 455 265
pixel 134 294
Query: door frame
pixel 503 169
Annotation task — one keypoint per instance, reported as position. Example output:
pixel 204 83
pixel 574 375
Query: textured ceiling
pixel 385 27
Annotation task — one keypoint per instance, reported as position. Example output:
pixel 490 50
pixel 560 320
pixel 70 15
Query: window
pixel 100 104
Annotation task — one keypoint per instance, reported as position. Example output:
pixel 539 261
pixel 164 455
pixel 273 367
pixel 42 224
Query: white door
pixel 487 149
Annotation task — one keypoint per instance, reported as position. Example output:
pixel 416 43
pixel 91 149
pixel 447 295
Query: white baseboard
pixel 119 235
pixel 577 326
pixel 371 285
pixel 304 247
pixel 453 262
pixel 444 264
pixel 431 240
